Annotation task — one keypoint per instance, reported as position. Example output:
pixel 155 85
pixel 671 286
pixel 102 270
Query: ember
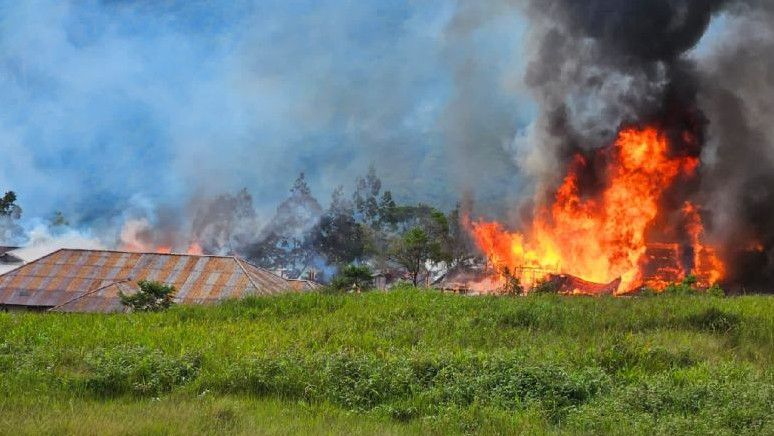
pixel 600 230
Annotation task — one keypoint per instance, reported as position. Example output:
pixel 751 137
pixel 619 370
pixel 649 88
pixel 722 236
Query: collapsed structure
pixel 75 280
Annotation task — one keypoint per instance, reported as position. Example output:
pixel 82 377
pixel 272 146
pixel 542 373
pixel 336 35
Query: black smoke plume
pixel 598 65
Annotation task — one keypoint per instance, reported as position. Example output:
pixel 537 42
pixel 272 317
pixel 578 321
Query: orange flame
pixel 194 248
pixel 602 237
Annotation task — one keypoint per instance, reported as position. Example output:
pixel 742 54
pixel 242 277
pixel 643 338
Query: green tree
pixel 512 285
pixel 151 297
pixel 338 236
pixel 10 212
pixel 285 242
pixel 8 206
pixel 372 207
pixel 58 220
pixel 413 250
pixel 356 277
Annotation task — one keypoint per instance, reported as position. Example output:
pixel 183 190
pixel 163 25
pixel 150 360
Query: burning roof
pixel 597 225
pixel 90 280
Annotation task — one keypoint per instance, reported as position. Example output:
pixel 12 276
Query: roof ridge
pixel 262 269
pixel 117 282
pixel 108 250
pixel 31 262
pixel 249 277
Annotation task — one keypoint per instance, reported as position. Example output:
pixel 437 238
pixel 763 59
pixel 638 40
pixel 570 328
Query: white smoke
pixel 43 242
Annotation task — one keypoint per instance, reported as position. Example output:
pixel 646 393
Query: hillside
pixel 410 361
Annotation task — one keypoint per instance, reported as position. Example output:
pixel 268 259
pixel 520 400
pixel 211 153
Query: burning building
pixel 71 280
pixel 629 146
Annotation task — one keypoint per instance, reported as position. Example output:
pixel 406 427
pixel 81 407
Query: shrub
pixel 138 371
pixel 544 287
pixel 716 291
pixel 512 284
pixel 152 297
pixel 714 320
pixel 353 277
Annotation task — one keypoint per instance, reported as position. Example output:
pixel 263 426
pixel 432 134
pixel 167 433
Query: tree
pixel 226 223
pixel 372 207
pixel 460 245
pixel 10 213
pixel 58 220
pixel 285 242
pixel 355 277
pixel 413 250
pixel 338 236
pixel 512 285
pixel 8 206
pixel 151 297
pixel 366 197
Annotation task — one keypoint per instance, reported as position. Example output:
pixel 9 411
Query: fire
pixel 603 235
pixel 194 248
pixel 138 235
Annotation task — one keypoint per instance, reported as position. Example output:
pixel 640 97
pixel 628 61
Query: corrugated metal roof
pixel 89 280
pixel 304 285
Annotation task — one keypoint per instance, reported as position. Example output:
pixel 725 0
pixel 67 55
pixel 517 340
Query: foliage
pixel 544 286
pixel 512 284
pixel 688 287
pixel 685 287
pixel 338 236
pixel 413 250
pixel 716 291
pixel 8 206
pixel 138 371
pixel 460 244
pixel 371 227
pixel 408 361
pixel 285 243
pixel 353 277
pixel 151 297
pixel 10 212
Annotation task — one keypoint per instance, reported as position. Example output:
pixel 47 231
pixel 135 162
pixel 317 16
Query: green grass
pixel 409 361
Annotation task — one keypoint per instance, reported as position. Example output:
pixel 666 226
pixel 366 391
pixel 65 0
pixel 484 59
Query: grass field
pixel 410 361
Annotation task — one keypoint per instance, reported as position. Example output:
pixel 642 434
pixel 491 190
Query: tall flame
pixel 603 236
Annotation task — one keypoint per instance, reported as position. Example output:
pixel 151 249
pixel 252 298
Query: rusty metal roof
pixel 304 285
pixel 90 280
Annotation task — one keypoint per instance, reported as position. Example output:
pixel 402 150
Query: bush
pixel 152 297
pixel 512 284
pixel 138 371
pixel 544 287
pixel 353 277
pixel 405 388
pixel 714 320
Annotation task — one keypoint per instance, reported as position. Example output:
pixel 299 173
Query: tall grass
pixel 416 360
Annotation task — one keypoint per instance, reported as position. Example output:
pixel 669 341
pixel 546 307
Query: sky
pixel 120 108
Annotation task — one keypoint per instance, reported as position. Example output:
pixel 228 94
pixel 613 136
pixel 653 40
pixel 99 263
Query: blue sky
pixel 120 107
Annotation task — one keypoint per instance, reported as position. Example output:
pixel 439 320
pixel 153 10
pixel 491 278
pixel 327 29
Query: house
pixel 9 259
pixel 304 285
pixel 74 280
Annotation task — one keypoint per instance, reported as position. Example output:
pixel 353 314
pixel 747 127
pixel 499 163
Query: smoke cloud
pixel 134 118
pixel 595 66
pixel 134 110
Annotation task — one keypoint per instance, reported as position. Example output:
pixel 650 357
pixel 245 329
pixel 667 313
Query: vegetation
pixel 368 227
pixel 8 206
pixel 512 283
pixel 413 250
pixel 353 277
pixel 151 297
pixel 10 213
pixel 408 361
